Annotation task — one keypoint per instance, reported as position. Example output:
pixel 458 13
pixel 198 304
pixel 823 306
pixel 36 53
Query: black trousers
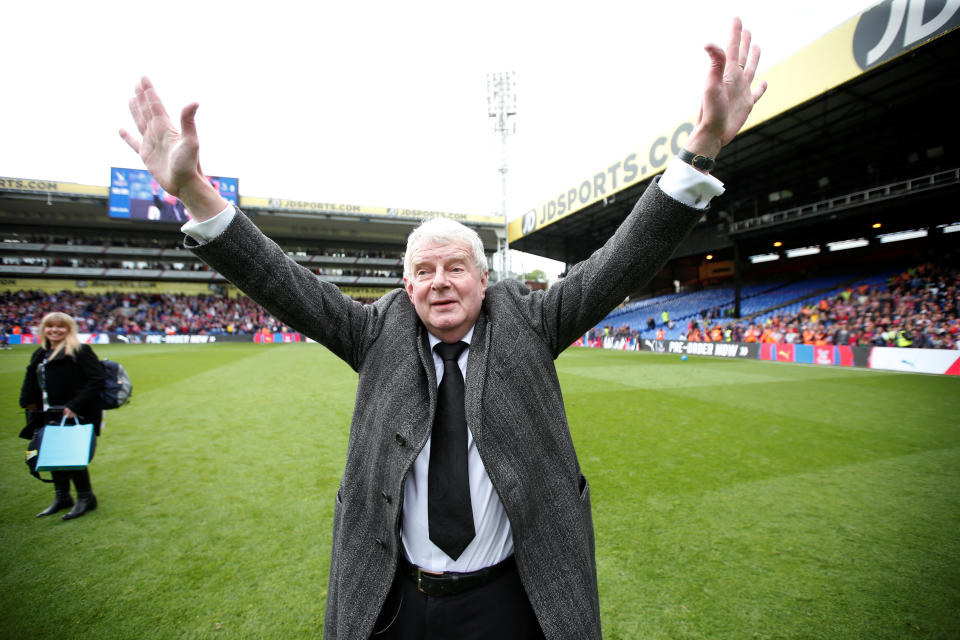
pixel 498 610
pixel 80 477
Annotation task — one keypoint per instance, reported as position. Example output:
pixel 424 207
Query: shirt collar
pixel 434 340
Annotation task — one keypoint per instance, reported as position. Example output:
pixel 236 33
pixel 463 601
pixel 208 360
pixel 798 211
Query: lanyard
pixel 42 376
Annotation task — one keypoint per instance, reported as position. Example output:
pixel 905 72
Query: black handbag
pixel 33 449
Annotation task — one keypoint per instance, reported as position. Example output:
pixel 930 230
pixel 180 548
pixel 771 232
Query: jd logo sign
pixel 895 26
pixel 529 222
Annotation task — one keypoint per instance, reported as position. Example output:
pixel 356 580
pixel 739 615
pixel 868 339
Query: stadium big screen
pixel 135 195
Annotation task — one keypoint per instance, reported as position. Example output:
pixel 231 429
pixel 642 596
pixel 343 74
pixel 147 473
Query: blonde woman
pixel 64 378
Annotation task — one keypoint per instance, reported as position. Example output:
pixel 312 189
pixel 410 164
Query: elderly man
pixel 462 511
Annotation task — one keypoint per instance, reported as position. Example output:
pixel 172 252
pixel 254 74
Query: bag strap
pixel 33 470
pixel 36 474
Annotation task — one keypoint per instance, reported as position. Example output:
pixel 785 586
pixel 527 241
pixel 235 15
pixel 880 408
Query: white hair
pixel 444 231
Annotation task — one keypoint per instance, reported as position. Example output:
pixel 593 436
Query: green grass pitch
pixel 731 499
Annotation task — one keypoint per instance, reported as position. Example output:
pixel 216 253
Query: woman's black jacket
pixel 72 381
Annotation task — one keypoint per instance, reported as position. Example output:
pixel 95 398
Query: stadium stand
pixel 837 175
pixel 133 313
pixel 916 307
pixel 93 257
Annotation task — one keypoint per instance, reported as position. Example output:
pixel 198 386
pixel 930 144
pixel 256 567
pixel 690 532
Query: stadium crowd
pixel 919 307
pixel 134 313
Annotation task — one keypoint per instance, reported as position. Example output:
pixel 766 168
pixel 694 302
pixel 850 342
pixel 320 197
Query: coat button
pixel 381 543
pixel 400 440
pixel 385 496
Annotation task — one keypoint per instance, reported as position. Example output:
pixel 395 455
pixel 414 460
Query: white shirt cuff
pixel 687 185
pixel 209 229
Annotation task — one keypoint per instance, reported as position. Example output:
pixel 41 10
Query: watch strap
pixel 704 163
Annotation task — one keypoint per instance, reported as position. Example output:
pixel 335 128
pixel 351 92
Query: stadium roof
pixel 878 147
pixel 61 208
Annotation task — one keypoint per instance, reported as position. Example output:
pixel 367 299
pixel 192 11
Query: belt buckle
pixel 420 573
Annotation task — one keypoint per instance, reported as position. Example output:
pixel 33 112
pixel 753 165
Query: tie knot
pixel 449 352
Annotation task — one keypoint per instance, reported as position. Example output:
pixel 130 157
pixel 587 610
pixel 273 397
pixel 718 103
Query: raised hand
pixel 172 157
pixel 727 97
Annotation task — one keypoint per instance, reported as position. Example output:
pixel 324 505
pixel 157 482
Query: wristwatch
pixel 703 163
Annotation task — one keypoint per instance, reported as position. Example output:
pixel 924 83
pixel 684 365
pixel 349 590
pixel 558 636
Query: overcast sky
pixel 373 103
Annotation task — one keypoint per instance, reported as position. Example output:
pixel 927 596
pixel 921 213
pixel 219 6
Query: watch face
pixel 703 162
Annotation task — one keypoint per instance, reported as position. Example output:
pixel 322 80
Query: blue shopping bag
pixel 65 446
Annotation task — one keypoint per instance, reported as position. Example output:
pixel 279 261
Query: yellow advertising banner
pixel 283 204
pixel 30 185
pixel 366 292
pixel 99 287
pixel 48 186
pixel 883 32
pixel 716 269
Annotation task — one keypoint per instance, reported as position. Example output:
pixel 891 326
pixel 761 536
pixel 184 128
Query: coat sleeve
pixel 635 253
pixel 30 389
pixel 88 395
pixel 294 294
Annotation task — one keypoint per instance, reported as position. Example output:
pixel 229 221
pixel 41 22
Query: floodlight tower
pixel 502 106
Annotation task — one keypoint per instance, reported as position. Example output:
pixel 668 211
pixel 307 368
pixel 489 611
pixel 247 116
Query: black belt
pixel 451 583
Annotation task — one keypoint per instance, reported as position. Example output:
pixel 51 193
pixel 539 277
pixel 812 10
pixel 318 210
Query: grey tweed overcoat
pixel 513 403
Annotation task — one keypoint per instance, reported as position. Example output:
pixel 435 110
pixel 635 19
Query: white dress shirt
pixel 493 541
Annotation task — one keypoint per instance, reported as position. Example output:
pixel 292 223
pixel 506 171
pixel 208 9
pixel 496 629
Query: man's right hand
pixel 172 157
pixel 727 98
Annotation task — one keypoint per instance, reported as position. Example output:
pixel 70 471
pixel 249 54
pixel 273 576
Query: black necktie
pixel 450 515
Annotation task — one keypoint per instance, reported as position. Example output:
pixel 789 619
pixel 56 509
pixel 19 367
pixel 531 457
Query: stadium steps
pixel 840 286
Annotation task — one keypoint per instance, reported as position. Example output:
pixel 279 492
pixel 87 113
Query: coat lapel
pixel 426 361
pixel 477 374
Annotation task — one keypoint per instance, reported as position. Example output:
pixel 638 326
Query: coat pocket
pixel 586 513
pixel 337 519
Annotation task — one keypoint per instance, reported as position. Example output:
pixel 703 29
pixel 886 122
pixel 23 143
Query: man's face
pixel 446 288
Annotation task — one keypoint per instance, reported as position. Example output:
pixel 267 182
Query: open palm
pixel 172 157
pixel 728 98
